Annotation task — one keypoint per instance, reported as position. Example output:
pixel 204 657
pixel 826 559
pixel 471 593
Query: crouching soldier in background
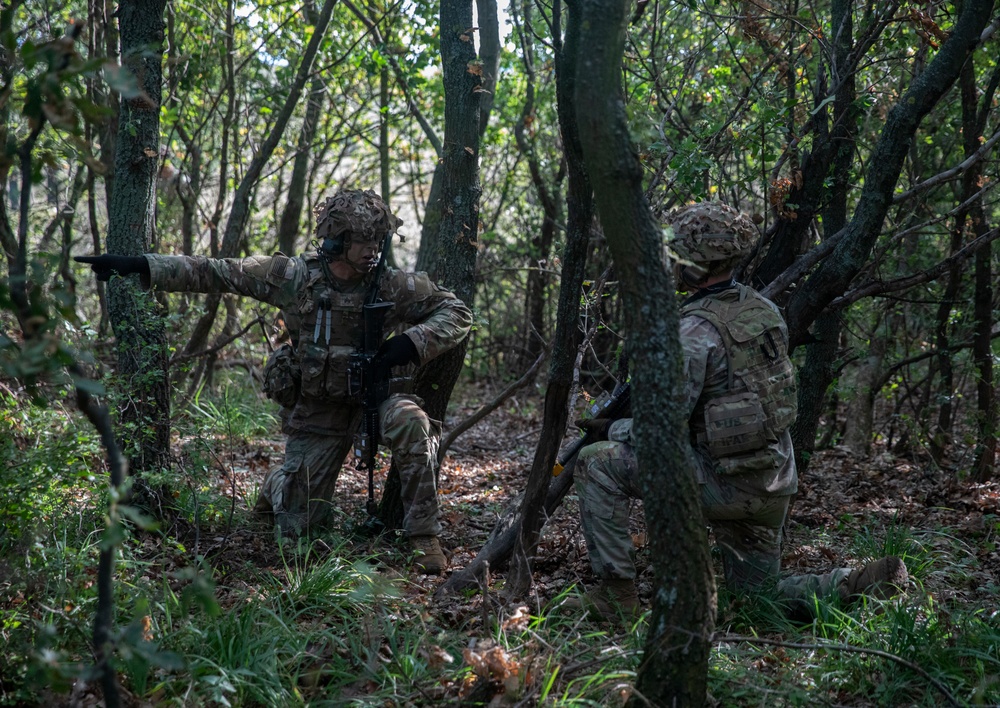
pixel 321 296
pixel 740 399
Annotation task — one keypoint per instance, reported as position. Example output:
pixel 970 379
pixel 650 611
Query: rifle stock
pixel 613 407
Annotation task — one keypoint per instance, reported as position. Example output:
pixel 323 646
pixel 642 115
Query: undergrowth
pixel 329 622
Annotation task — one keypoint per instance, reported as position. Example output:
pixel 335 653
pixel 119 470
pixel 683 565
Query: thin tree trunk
pixel 940 435
pixel 818 372
pixel 859 415
pixel 539 245
pixel 144 409
pixel 984 465
pixel 538 503
pixel 674 669
pixel 291 215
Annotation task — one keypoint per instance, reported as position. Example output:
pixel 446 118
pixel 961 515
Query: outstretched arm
pixel 270 279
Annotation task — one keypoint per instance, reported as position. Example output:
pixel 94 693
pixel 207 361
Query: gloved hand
pixel 597 428
pixel 396 351
pixel 106 265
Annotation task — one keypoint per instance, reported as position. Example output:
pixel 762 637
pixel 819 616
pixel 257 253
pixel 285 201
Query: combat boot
pixel 880 579
pixel 612 598
pixel 430 558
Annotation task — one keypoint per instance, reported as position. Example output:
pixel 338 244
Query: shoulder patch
pixel 279 267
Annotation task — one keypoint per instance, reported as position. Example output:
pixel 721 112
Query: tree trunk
pixel 457 173
pixel 814 379
pixel 144 410
pixel 288 228
pixel 835 272
pixel 537 504
pixel 103 41
pixel 986 401
pixel 837 151
pixel 431 250
pixel 868 374
pixel 973 121
pixel 939 436
pixel 675 665
pixel 458 233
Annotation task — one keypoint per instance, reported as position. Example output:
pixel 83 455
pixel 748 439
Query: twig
pixel 218 345
pixel 489 407
pixel 735 638
pixel 883 287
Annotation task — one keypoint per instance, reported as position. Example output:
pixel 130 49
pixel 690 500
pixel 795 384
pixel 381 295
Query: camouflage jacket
pixel 323 316
pixel 708 378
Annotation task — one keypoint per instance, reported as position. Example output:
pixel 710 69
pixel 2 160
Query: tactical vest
pixel 736 428
pixel 326 330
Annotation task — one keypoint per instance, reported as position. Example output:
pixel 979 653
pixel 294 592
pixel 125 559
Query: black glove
pixel 396 351
pixel 106 265
pixel 597 428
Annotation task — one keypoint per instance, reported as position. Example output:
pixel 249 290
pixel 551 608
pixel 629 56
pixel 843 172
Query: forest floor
pixel 849 508
pixel 841 496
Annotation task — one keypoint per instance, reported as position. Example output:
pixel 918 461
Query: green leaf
pixel 121 80
pixel 94 388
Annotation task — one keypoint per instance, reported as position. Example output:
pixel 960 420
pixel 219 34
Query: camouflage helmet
pixel 352 212
pixel 712 234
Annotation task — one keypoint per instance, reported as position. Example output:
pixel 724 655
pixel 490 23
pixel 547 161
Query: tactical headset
pixel 693 275
pixel 334 246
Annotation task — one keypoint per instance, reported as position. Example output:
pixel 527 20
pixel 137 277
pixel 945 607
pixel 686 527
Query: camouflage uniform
pixel 740 401
pixel 323 316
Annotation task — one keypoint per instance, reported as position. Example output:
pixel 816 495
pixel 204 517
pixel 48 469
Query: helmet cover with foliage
pixel 712 234
pixel 352 213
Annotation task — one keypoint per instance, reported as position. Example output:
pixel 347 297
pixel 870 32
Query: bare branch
pixel 733 638
pixel 951 174
pixel 883 287
pixel 485 410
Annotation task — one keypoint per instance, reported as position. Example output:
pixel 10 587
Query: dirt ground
pixel 840 496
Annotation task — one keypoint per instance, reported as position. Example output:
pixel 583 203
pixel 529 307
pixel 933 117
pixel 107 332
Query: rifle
pixel 368 383
pixel 611 406
pixel 500 544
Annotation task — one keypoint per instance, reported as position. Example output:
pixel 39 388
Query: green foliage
pixel 46 459
pixel 952 643
pixel 238 414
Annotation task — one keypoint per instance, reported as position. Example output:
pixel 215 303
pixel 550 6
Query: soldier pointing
pixel 321 296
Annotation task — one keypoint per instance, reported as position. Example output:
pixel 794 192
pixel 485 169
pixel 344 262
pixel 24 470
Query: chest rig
pixel 327 328
pixel 736 426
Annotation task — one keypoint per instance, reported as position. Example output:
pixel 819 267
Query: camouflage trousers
pixel 299 493
pixel 747 526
